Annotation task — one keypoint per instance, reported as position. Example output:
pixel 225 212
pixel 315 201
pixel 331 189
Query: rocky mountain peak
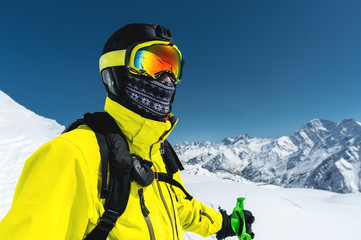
pixel 322 154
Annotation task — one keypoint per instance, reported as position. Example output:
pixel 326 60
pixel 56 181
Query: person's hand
pixel 249 218
pixel 227 231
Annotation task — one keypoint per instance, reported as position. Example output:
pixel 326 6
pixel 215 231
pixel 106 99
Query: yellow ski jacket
pixel 58 193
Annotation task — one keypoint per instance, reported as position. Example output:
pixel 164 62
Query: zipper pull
pixel 145 210
pixel 162 151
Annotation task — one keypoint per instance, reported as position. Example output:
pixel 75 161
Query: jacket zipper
pixel 158 185
pixel 206 215
pixel 175 195
pixel 175 217
pixel 146 212
pixel 166 207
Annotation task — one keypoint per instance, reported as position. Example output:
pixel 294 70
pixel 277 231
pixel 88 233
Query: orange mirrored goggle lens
pixel 159 58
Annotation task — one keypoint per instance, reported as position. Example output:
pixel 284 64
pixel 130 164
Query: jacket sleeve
pixel 51 199
pixel 195 216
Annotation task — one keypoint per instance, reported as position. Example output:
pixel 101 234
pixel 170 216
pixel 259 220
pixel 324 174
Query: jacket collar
pixel 140 131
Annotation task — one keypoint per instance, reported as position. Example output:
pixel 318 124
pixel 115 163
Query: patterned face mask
pixel 150 97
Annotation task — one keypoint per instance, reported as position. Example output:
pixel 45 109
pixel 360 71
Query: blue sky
pixel 259 67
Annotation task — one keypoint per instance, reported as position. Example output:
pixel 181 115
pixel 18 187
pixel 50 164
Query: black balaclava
pixel 145 96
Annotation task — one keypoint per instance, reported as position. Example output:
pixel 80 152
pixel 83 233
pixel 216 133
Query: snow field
pixel 283 213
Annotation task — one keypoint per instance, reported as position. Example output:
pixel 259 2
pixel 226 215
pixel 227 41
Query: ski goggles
pixel 151 59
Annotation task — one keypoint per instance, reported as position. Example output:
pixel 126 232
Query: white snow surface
pixel 281 213
pixel 21 133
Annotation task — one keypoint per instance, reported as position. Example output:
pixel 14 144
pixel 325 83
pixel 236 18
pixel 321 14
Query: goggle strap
pixel 112 59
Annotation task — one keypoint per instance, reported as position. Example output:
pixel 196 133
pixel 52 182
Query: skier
pixel 60 192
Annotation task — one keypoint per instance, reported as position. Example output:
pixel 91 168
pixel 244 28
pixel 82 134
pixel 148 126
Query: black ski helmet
pixel 115 78
pixel 136 32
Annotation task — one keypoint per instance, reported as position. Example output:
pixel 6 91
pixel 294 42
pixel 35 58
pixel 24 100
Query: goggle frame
pixel 125 57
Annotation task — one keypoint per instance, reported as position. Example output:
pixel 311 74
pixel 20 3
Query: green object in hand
pixel 238 222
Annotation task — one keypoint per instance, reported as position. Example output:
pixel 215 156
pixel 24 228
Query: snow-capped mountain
pixel 322 155
pixel 21 133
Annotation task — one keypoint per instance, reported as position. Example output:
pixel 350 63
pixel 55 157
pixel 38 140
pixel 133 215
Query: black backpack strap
pixel 114 151
pixel 103 124
pixel 119 189
pixel 163 177
pixel 120 163
pixel 170 158
pixel 172 164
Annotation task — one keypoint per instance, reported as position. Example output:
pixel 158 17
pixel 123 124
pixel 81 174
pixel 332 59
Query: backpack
pixel 123 168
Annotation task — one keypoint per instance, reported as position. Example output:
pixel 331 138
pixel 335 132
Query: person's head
pixel 140 68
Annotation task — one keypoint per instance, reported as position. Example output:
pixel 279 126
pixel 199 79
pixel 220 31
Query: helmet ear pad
pixel 114 80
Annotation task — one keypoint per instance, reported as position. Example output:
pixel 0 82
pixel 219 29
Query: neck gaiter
pixel 150 97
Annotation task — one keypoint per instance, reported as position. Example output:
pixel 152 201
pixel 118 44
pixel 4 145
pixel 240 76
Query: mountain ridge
pixel 322 154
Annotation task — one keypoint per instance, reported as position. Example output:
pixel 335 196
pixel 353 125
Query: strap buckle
pixel 108 220
pixel 156 175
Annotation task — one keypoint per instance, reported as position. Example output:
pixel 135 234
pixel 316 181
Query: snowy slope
pixel 281 213
pixel 21 133
pixel 321 155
